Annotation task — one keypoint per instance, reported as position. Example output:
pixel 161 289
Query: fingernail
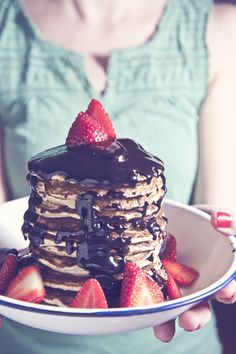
pixel 224 220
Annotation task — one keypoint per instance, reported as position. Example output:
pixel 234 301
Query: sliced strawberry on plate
pixel 85 130
pixel 173 290
pixel 8 271
pixel 27 285
pixel 90 296
pixel 170 251
pixel 96 110
pixel 138 288
pixel 182 274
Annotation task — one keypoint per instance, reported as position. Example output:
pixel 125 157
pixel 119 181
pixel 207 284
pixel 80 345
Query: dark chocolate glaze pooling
pixel 117 163
pixel 108 165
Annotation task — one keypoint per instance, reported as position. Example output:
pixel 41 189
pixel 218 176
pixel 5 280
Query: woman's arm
pixel 3 185
pixel 216 182
pixel 3 189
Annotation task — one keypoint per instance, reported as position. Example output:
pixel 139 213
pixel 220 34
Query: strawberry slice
pixel 85 130
pixel 172 288
pixel 27 285
pixel 8 272
pixel 96 110
pixel 170 251
pixel 182 274
pixel 138 288
pixel 90 296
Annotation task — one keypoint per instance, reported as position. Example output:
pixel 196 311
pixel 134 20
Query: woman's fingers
pixel 196 317
pixel 227 295
pixel 165 332
pixel 190 320
pixel 223 221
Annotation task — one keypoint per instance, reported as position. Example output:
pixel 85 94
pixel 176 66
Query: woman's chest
pixel 41 121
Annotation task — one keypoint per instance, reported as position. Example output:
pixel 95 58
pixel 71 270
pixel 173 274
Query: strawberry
pixel 182 274
pixel 8 272
pixel 27 285
pixel 172 288
pixel 85 130
pixel 138 288
pixel 96 110
pixel 90 296
pixel 170 249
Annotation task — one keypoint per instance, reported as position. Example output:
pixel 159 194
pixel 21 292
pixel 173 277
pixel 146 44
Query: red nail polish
pixel 224 220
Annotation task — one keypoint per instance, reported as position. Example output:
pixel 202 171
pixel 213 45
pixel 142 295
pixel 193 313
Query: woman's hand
pixel 199 315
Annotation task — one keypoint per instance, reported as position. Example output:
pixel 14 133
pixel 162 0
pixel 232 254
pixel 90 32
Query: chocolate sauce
pixel 164 244
pixel 119 163
pixel 153 228
pixel 97 251
pixel 160 281
pixel 25 261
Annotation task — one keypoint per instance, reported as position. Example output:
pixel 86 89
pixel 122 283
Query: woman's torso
pixel 153 96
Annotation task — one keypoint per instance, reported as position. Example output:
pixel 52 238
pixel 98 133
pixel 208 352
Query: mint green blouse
pixel 154 94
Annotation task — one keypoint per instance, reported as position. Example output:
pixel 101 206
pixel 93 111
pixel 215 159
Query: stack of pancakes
pixel 80 230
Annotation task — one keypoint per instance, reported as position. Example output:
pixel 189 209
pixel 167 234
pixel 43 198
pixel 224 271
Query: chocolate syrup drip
pixel 160 281
pixel 35 233
pixel 158 203
pixel 112 194
pixel 30 215
pixel 139 223
pixel 153 228
pixel 84 207
pixel 25 261
pixel 110 166
pixel 67 236
pixel 164 244
pixel 118 163
pixel 97 250
pixel 70 248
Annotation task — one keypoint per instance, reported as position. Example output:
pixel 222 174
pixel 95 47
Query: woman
pixel 160 67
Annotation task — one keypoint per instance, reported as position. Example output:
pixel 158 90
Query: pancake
pixel 92 209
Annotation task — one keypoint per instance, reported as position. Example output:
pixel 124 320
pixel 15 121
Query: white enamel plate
pixel 198 245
